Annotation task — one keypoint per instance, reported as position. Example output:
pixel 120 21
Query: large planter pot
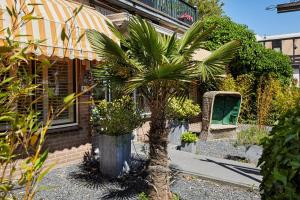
pixel 176 129
pixel 188 147
pixel 114 152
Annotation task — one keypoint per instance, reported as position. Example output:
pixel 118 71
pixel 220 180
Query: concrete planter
pixel 176 129
pixel 114 152
pixel 188 147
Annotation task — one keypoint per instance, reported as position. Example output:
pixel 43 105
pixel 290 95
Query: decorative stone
pixel 114 153
pixel 253 153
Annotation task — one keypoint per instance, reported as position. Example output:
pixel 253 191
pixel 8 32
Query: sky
pixel 253 13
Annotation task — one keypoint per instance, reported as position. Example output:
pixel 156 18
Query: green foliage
pixel 252 57
pixel 159 67
pixel 143 196
pixel 22 134
pixel 207 8
pixel 115 118
pixel 189 137
pixel 267 89
pixel 182 109
pixel 285 99
pixel 251 136
pixel 280 162
pixel 275 63
pixel 176 197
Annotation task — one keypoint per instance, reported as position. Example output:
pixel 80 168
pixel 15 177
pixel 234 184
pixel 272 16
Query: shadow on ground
pixel 127 186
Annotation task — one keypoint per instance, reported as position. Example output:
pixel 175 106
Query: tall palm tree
pixel 160 67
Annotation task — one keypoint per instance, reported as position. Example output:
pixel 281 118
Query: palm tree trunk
pixel 158 168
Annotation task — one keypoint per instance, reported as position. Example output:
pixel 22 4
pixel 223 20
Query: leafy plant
pixel 182 109
pixel 207 8
pixel 251 136
pixel 159 67
pixel 280 161
pixel 189 137
pixel 22 134
pixel 143 196
pixel 252 57
pixel 115 118
pixel 286 98
pixel 267 89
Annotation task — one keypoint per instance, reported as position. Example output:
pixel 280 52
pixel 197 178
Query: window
pixel 276 45
pixel 56 82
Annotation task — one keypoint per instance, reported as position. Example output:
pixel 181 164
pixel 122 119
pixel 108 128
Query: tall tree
pixel 161 67
pixel 207 8
pixel 252 57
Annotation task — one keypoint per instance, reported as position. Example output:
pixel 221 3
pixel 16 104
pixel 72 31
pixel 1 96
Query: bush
pixel 182 109
pixel 280 161
pixel 143 196
pixel 286 99
pixel 251 136
pixel 115 118
pixel 189 137
pixel 252 57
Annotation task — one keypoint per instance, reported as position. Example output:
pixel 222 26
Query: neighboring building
pixel 288 44
pixel 69 137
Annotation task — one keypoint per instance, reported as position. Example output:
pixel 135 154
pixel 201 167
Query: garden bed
pixel 73 182
pixel 228 149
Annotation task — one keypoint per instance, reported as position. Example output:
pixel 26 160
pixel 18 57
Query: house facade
pixel 288 44
pixel 70 136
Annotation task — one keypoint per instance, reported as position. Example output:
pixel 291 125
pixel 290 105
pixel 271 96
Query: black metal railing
pixel 177 9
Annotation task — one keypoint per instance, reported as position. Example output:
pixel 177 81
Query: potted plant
pixel 188 142
pixel 112 124
pixel 179 112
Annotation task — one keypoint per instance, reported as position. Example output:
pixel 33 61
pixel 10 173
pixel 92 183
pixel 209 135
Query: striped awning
pixel 54 15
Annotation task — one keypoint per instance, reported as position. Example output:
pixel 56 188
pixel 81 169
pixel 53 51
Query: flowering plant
pixel 186 16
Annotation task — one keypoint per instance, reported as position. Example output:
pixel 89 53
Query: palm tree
pixel 160 67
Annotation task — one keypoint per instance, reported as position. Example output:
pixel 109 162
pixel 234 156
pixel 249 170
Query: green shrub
pixel 286 99
pixel 280 161
pixel 182 109
pixel 115 118
pixel 251 136
pixel 189 137
pixel 143 196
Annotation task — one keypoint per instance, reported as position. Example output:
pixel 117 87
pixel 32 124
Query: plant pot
pixel 114 152
pixel 188 147
pixel 176 129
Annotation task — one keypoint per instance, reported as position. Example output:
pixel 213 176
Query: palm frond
pixel 189 35
pixel 145 42
pixel 104 46
pixel 198 43
pixel 215 64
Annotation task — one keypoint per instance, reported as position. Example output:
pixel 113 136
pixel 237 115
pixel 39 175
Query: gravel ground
pixel 220 149
pixel 191 188
pixel 71 183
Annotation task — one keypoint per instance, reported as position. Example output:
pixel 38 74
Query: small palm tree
pixel 160 67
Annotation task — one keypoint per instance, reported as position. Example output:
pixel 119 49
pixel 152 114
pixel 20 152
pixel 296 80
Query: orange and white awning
pixel 54 15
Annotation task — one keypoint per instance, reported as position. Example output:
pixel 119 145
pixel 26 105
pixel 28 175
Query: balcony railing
pixel 177 9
